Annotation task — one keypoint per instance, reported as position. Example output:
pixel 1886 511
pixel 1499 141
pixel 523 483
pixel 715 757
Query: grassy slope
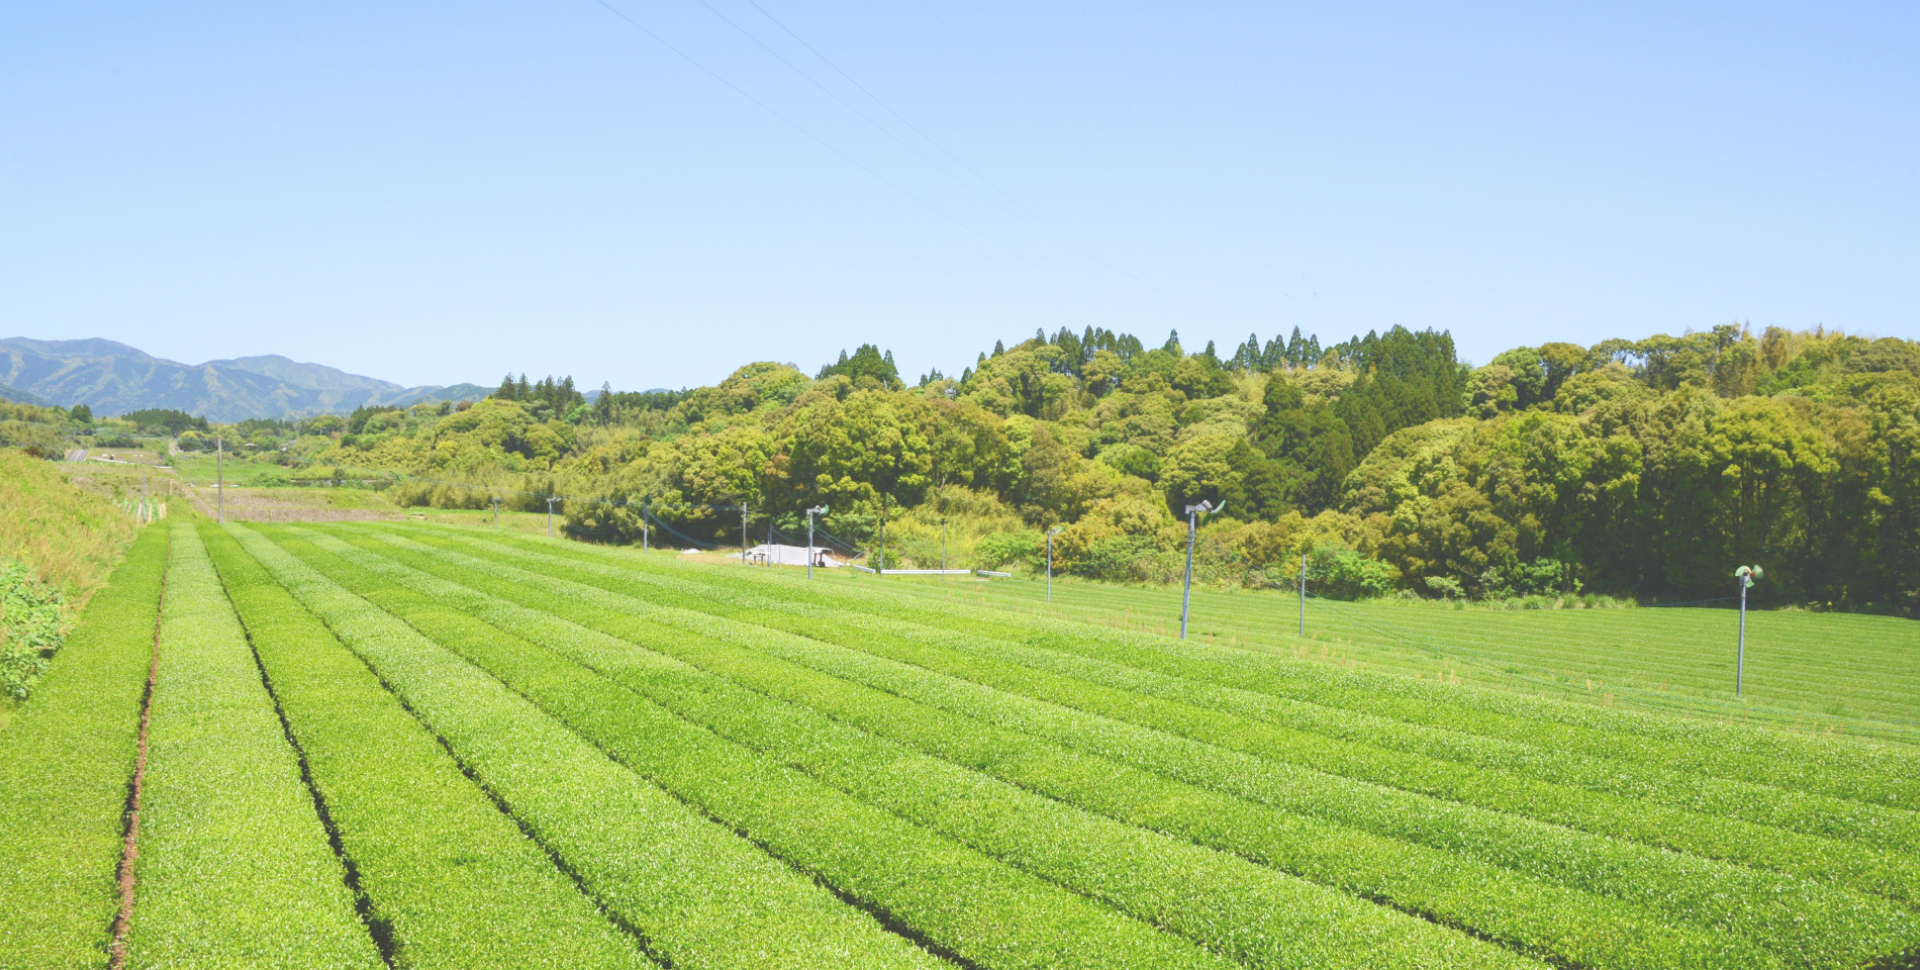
pixel 69 537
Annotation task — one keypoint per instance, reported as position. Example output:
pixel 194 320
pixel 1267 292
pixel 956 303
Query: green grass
pixel 425 744
pixel 1806 671
pixel 204 467
pixel 527 523
pixel 69 537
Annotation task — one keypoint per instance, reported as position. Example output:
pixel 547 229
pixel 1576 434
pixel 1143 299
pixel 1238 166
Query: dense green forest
pixel 1646 468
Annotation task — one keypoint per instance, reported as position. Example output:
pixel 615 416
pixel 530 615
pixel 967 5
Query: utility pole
pixel 1744 576
pixel 220 477
pixel 1050 534
pixel 549 516
pixel 1186 595
pixel 1303 594
pixel 816 510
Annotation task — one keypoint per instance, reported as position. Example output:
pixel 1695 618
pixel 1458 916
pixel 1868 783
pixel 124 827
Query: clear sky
pixel 435 192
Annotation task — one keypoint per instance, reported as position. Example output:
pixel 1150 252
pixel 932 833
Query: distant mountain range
pixel 113 378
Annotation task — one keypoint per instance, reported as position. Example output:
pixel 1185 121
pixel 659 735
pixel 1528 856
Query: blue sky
pixel 434 192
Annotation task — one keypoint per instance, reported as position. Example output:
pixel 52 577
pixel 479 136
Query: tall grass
pixel 68 537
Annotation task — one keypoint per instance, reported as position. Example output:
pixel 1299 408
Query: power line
pixel 1034 217
pixel 822 142
pixel 826 90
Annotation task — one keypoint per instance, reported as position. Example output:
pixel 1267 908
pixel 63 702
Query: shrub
pixel 1007 548
pixel 30 627
pixel 1336 572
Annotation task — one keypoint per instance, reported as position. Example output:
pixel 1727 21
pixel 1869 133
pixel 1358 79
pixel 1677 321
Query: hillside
pixel 1645 468
pixel 57 545
pixel 1648 468
pixel 113 378
pixel 13 396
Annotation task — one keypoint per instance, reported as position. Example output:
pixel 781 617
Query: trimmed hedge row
pixel 452 881
pixel 1624 765
pixel 1530 917
pixel 1263 725
pixel 703 897
pixel 1806 923
pixel 235 869
pixel 66 763
pixel 1853 771
pixel 955 897
pixel 1248 912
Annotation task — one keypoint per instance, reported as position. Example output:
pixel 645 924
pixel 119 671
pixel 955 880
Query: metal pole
pixel 220 476
pixel 880 568
pixel 769 562
pixel 496 511
pixel 1186 594
pixel 549 516
pixel 1303 594
pixel 743 533
pixel 809 543
pixel 646 533
pixel 1740 665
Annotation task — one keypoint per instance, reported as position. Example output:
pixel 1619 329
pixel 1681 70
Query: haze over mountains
pixel 113 378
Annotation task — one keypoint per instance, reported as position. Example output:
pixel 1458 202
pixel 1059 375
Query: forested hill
pixel 1649 467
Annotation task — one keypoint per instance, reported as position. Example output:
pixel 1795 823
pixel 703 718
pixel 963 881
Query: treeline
pixel 1635 467
pixel 48 432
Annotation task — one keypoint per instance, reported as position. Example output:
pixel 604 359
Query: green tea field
pixel 1830 673
pixel 407 744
